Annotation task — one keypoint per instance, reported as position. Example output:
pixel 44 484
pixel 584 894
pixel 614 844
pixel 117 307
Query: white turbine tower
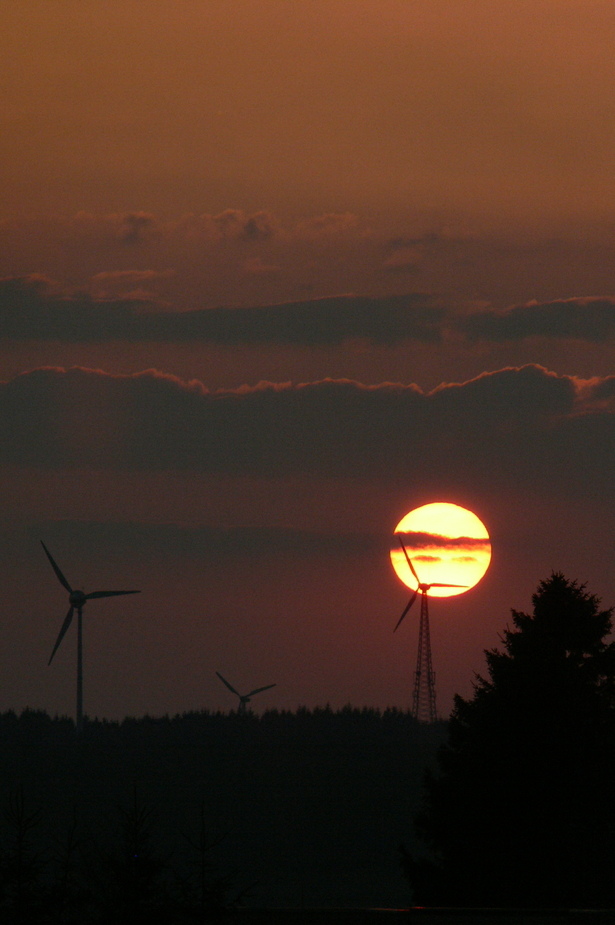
pixel 244 699
pixel 77 600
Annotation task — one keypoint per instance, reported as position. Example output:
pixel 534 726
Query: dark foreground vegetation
pixel 522 809
pixel 176 818
pixel 511 805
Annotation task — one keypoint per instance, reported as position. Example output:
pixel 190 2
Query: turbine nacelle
pixel 77 598
pixel 420 586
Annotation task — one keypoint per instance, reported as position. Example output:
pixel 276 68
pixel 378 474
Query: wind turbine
pixel 244 699
pixel 424 694
pixel 77 600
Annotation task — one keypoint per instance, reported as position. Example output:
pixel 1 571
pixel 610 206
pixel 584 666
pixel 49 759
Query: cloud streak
pixel 588 319
pixel 430 540
pixel 33 308
pixel 30 309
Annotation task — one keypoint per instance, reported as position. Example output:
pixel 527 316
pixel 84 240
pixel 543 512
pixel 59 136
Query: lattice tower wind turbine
pixel 424 692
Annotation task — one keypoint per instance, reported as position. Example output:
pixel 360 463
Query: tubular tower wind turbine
pixel 77 600
pixel 424 694
pixel 244 699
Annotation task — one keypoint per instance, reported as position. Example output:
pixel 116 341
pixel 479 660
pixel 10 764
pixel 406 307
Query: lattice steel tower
pixel 424 694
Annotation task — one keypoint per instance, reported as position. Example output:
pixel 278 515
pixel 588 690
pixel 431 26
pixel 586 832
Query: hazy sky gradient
pixel 488 108
pixel 271 275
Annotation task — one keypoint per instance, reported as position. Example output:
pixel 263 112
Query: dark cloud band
pixel 31 310
pixel 571 319
pixel 518 425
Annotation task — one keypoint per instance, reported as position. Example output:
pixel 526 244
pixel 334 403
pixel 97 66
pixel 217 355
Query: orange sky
pixel 491 111
pixel 402 217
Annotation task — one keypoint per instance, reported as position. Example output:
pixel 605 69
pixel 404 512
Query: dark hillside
pixel 311 806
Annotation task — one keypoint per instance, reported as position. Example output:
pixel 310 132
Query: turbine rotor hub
pixel 77 598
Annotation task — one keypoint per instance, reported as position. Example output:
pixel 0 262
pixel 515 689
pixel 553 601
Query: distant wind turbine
pixel 77 600
pixel 424 695
pixel 244 699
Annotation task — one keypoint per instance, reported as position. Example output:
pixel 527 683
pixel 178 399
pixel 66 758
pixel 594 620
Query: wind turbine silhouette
pixel 244 699
pixel 424 694
pixel 77 600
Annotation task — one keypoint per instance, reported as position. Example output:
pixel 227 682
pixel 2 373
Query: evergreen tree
pixel 522 809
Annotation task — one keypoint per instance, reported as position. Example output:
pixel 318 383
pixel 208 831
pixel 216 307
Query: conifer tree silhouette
pixel 521 811
pixel 20 862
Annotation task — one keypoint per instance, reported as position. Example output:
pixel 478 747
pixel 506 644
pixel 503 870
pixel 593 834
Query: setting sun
pixel 446 543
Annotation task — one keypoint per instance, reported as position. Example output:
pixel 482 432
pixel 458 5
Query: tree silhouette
pixel 521 811
pixel 133 885
pixel 20 862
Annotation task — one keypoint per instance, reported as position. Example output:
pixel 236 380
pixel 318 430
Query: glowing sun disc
pixel 446 543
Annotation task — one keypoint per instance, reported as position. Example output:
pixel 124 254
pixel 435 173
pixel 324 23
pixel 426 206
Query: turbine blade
pixel 67 621
pixel 408 559
pixel 230 686
pixel 56 569
pixel 437 584
pixel 94 594
pixel 407 608
pixel 259 689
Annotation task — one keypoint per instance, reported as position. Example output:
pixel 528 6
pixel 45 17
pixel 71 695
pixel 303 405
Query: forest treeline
pixel 187 814
pixel 169 819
